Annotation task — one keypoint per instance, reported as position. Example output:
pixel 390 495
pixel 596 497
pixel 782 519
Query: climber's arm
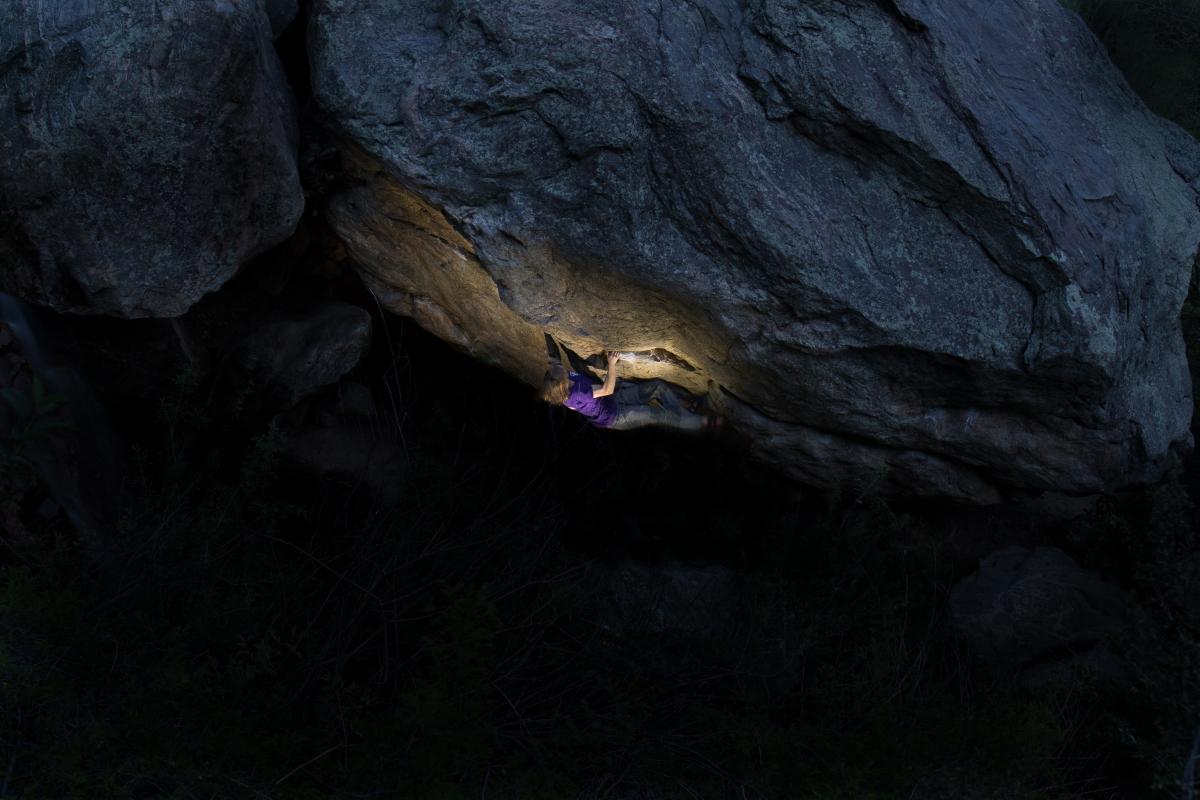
pixel 610 378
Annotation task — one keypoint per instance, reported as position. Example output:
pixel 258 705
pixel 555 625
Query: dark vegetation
pixel 268 635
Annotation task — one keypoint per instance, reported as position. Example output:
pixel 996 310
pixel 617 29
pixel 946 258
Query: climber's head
pixel 555 385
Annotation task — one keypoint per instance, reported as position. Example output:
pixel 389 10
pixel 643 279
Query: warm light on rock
pixel 944 240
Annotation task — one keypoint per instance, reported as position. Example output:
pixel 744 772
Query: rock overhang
pixel 931 236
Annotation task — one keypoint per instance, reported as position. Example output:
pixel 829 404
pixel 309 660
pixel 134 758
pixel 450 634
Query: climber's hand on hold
pixel 610 380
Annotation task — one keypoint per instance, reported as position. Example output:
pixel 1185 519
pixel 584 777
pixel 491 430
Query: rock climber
pixel 630 405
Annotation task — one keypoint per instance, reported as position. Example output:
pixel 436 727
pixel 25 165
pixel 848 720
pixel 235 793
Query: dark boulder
pixel 288 357
pixel 147 150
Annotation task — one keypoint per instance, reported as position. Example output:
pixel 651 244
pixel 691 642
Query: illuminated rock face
pixel 147 150
pixel 941 237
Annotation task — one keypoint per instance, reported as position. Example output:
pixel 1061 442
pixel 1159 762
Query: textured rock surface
pixel 940 237
pixel 1025 606
pixel 147 150
pixel 290 357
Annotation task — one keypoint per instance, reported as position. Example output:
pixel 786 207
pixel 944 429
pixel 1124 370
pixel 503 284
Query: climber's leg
pixel 640 416
pixel 654 402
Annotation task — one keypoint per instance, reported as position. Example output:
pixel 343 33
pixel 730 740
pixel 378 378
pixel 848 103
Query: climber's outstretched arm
pixel 610 378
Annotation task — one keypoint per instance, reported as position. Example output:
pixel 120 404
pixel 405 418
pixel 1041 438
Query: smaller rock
pixel 1037 607
pixel 352 456
pixel 150 153
pixel 290 358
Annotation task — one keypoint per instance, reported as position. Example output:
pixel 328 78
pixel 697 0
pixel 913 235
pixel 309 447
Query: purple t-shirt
pixel 600 410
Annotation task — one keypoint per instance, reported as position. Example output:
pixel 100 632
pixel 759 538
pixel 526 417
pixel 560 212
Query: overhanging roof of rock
pixel 937 233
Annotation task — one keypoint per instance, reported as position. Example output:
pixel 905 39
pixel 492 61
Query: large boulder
pixel 940 237
pixel 147 150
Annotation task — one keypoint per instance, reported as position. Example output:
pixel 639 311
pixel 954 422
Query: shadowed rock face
pixel 940 237
pixel 147 150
